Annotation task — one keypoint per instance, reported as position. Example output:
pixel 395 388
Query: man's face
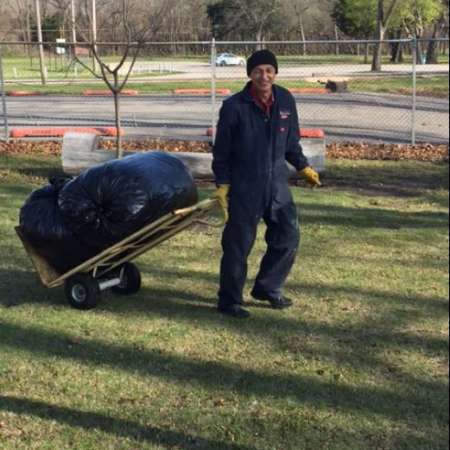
pixel 263 77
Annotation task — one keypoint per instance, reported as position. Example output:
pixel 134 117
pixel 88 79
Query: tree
pixel 438 29
pixel 248 18
pixel 385 11
pixel 5 21
pixel 257 14
pixel 300 9
pixel 356 18
pixel 111 74
pixel 21 11
pixel 416 16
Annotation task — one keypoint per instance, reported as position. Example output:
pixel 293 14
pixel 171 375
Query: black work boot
pixel 275 303
pixel 235 311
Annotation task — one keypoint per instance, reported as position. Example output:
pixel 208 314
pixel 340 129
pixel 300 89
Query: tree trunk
pixel 336 36
pixel 378 52
pixel 366 53
pixel 302 34
pixel 397 49
pixel 381 29
pixel 116 93
pixel 259 36
pixel 420 58
pixel 432 50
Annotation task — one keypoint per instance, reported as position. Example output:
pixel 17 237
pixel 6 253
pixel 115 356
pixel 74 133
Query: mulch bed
pixel 352 151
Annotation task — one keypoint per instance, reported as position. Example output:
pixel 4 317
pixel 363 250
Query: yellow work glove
pixel 221 194
pixel 311 177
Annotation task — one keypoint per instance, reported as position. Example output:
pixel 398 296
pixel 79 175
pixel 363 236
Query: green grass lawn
pixel 434 86
pixel 64 69
pixel 360 361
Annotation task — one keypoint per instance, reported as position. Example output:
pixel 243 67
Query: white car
pixel 228 59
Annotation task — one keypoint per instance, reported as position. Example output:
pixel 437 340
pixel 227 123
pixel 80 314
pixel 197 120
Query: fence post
pixel 213 88
pixel 2 90
pixel 414 91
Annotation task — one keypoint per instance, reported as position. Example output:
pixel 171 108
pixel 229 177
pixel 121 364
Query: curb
pixel 200 91
pixel 60 132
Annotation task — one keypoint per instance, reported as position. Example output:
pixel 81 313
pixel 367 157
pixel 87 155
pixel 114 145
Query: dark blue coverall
pixel 250 154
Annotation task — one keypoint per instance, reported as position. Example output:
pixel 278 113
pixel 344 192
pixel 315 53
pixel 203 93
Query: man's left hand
pixel 311 177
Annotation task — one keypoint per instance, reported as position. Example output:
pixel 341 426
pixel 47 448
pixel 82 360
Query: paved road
pixel 162 71
pixel 192 70
pixel 348 116
pixel 198 70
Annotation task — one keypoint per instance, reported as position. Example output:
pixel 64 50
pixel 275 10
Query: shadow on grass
pixel 111 425
pixel 14 191
pixel 226 377
pixel 42 172
pixel 436 306
pixel 19 287
pixel 370 217
pixel 395 178
pixel 170 303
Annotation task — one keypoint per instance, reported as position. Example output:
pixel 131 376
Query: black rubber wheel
pixel 82 291
pixel 131 280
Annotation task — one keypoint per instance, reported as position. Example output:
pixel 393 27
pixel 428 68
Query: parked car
pixel 228 59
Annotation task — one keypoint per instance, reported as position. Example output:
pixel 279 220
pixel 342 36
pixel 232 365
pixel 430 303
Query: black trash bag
pixel 111 201
pixel 43 226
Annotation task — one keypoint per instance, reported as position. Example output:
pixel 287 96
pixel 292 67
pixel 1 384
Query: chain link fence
pixel 180 87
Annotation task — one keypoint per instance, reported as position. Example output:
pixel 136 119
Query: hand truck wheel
pixel 82 291
pixel 130 280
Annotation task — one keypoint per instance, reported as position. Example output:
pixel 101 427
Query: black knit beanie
pixel 261 57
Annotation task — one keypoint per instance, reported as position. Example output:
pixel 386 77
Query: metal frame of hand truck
pixel 84 283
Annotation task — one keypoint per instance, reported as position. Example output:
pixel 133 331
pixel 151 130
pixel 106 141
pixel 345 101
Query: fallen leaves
pixel 174 146
pixel 392 152
pixel 346 150
pixel 24 147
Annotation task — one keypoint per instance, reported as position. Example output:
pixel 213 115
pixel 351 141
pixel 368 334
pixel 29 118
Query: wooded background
pixel 258 20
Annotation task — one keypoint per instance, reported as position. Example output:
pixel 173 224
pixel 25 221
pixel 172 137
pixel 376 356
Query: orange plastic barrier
pixel 307 133
pixel 60 132
pixel 22 93
pixel 108 93
pixel 312 133
pixel 200 91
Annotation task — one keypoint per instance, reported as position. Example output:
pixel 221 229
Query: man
pixel 257 133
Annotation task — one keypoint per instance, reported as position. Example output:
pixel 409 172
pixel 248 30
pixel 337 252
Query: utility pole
pixel 41 45
pixel 94 31
pixel 74 25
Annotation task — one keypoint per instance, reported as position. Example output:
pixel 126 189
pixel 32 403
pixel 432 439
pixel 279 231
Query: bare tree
pixel 258 13
pixel 5 22
pixel 21 11
pixel 300 9
pixel 111 74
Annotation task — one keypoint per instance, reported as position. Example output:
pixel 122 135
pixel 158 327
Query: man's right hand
pixel 221 194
